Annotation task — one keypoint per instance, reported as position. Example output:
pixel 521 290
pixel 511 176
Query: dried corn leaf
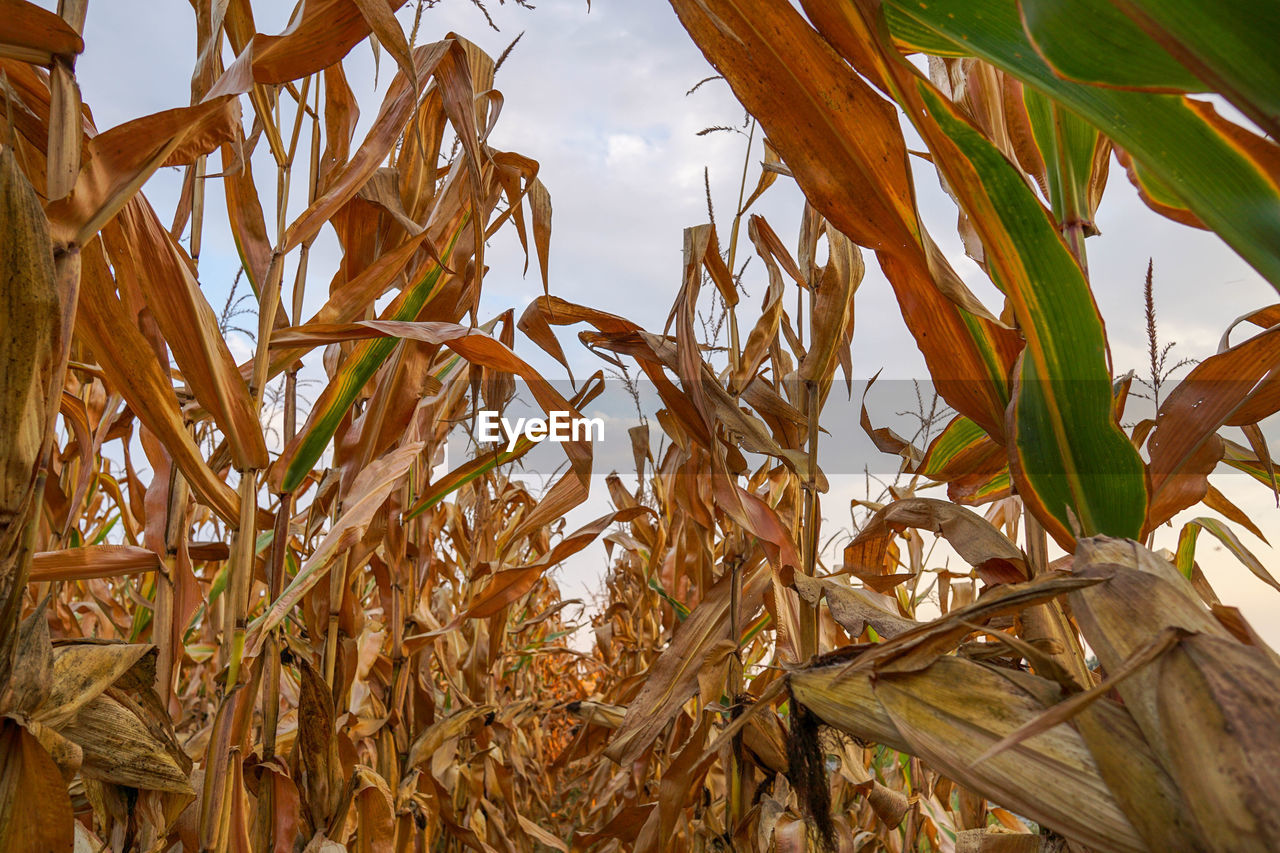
pixel 949 713
pixel 35 811
pixel 29 316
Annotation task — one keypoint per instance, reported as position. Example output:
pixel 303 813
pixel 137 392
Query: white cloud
pixel 626 150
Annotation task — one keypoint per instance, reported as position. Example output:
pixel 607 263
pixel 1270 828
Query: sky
pixel 600 99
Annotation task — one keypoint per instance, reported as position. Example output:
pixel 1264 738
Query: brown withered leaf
pixel 920 646
pixel 82 671
pixel 375 832
pixel 674 676
pixel 317 767
pixel 446 61
pixel 1185 447
pixel 680 783
pixel 434 737
pixel 1220 503
pixel 143 250
pixel 131 366
pixel 540 211
pixel 270 783
pixel 76 417
pixel 844 145
pixel 368 493
pixel 854 608
pixel 755 515
pixel 974 538
pixel 28 328
pixel 35 810
pixel 92 561
pixel 541 835
pixel 382 22
pixel 507 586
pixel 36 35
pixel 118 748
pixel 765 331
pixel 624 826
pixel 884 438
pixel 832 320
pixel 118 161
pixel 597 713
pixel 1204 706
pixel 320 33
pixel 31 676
pixel 953 709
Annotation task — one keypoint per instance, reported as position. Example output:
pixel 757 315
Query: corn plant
pixel 239 617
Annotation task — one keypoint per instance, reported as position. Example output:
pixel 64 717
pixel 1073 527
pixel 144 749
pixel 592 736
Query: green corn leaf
pixel 1092 41
pixel 959 449
pixel 1225 535
pixel 466 473
pixel 1172 138
pixel 364 361
pixel 1231 48
pixel 1070 460
pixel 1186 556
pixel 1075 157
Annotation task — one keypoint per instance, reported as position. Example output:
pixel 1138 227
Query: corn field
pixel 240 615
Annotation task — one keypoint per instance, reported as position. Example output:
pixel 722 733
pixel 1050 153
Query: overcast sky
pixel 599 99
